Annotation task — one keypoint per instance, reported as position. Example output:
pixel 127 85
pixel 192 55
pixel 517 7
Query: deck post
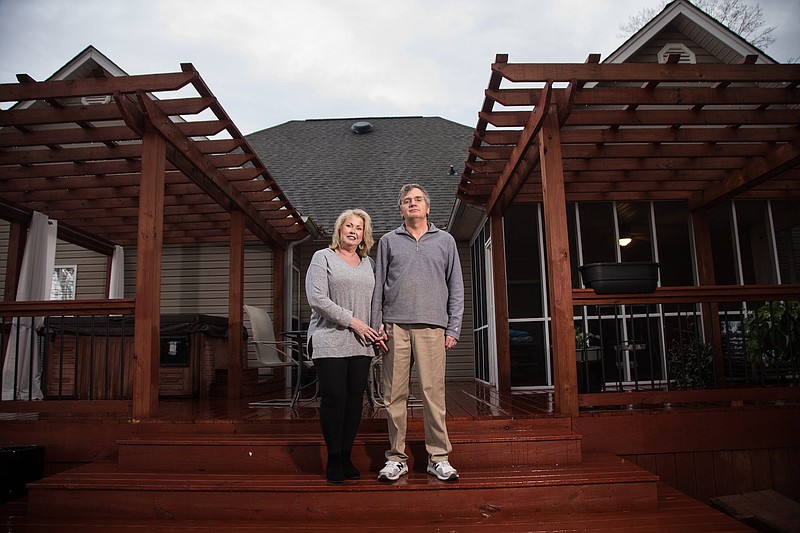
pixel 500 304
pixel 147 311
pixel 565 373
pixel 235 303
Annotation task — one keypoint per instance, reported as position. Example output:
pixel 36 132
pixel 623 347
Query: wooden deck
pixel 675 513
pixel 523 469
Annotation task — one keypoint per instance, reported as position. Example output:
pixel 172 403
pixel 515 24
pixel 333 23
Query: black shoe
pixel 334 473
pixel 350 471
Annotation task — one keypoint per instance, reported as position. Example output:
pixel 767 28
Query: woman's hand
pixel 363 331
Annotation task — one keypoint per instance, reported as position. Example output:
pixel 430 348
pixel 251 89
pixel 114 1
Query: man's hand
pixel 449 342
pixel 380 343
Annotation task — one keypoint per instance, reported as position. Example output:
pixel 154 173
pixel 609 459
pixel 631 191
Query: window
pixel 62 286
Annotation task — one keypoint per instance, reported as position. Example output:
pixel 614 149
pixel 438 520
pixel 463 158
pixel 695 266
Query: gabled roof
pixel 325 168
pixel 695 24
pixel 85 65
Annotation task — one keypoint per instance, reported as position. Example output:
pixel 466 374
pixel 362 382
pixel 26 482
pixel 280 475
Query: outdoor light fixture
pixel 625 241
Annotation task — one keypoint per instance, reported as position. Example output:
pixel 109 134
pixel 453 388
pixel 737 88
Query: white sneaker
pixel 392 470
pixel 443 470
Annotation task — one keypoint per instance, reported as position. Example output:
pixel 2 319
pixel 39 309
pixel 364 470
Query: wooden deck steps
pixel 190 471
pixel 303 451
pixel 245 474
pixel 676 513
pixel 601 483
pixel 232 475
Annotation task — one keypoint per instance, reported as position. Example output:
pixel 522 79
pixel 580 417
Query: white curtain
pixel 21 371
pixel 116 286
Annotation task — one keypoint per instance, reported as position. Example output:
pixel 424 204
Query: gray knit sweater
pixel 337 291
pixel 418 282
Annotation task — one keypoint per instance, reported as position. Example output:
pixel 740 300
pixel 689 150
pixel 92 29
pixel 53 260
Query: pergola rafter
pixel 701 133
pixel 80 163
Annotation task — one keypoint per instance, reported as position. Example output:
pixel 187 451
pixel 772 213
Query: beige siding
pixel 92 267
pixel 461 360
pixel 90 279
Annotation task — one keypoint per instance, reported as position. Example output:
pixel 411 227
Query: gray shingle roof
pixel 325 168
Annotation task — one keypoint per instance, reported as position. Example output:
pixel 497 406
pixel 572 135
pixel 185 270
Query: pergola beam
pixel 758 171
pixel 512 179
pixel 646 72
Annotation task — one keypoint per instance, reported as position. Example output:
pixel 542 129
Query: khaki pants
pixel 427 345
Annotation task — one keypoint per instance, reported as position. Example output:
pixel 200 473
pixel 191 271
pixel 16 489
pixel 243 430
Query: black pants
pixel 342 382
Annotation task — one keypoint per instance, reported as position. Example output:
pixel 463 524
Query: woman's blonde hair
pixel 367 241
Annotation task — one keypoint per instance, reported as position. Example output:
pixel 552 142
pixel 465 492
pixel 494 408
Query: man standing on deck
pixel 419 302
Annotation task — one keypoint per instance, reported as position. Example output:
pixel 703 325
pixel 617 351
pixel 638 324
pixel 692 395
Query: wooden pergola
pixel 140 161
pixel 557 133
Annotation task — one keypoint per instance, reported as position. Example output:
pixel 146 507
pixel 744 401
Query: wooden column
pixel 147 313
pixel 17 237
pixel 705 273
pixel 559 278
pixel 235 303
pixel 500 304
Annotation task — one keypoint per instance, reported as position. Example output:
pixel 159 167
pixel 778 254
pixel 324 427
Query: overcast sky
pixel 269 62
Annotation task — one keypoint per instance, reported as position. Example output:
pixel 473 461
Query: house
pixel 684 141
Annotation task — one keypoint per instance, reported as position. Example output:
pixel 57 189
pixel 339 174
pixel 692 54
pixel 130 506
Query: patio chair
pixel 273 353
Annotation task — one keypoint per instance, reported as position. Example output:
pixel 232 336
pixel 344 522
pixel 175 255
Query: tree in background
pixel 744 19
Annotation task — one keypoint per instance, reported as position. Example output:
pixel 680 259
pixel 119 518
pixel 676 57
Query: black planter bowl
pixel 620 278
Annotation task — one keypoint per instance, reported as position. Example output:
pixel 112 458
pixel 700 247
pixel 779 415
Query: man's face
pixel 414 205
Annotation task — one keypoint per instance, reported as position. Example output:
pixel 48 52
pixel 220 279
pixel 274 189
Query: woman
pixel 339 287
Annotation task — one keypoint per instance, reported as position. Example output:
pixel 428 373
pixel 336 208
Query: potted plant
pixel 772 337
pixel 691 363
pixel 620 278
pixel 589 361
pixel 583 340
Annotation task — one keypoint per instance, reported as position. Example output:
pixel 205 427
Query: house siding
pixel 649 52
pixel 91 273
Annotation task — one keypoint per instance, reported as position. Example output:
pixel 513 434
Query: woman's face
pixel 352 232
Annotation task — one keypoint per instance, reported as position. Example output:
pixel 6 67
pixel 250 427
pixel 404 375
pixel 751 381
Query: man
pixel 419 303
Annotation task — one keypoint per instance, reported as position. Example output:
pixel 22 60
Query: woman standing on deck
pixel 339 286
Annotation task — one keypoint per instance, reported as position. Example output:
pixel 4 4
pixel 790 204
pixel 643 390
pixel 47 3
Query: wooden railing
pixel 689 344
pixel 75 360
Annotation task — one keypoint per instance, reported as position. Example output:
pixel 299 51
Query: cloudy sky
pixel 271 61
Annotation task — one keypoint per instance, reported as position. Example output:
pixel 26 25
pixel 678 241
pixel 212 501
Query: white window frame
pixel 56 292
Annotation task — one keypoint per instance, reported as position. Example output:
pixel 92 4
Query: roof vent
pixel 361 127
pixel 682 53
pixel 95 100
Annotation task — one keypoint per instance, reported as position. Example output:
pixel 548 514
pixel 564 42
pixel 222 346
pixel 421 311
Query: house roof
pixel 696 25
pixel 325 168
pixel 72 148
